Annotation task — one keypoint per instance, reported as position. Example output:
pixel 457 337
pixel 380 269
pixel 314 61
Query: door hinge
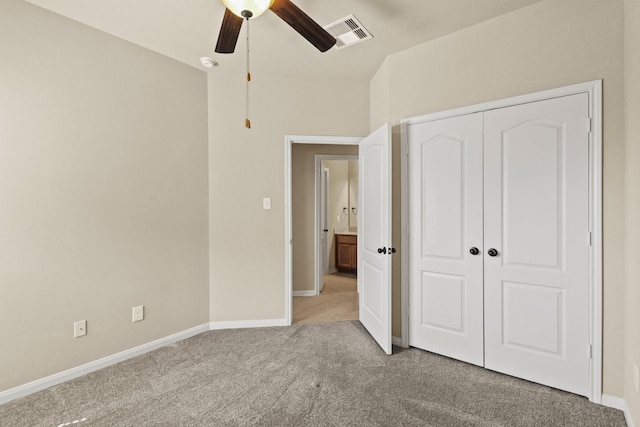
pixel 589 125
pixel 407 312
pixel 590 351
pixel 407 231
pixel 589 239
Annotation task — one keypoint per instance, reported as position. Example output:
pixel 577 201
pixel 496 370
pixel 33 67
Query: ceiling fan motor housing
pixel 248 8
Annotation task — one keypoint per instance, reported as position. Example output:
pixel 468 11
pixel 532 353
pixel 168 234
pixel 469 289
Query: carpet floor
pixel 338 301
pixel 330 374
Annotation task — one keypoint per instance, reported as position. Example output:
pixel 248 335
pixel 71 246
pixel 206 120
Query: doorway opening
pixel 374 218
pixel 334 296
pixel 321 292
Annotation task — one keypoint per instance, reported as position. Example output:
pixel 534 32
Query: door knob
pixel 474 251
pixel 382 250
pixel 492 252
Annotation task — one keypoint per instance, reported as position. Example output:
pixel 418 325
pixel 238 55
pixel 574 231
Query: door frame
pixel 319 158
pixel 323 225
pixel 289 140
pixel 594 90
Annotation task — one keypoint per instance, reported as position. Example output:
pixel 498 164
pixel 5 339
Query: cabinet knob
pixel 492 252
pixel 382 250
pixel 474 251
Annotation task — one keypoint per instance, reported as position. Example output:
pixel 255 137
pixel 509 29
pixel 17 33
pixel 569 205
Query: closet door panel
pixel 445 222
pixel 536 219
pixel 532 190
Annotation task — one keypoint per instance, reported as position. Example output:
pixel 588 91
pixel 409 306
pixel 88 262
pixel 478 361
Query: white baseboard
pixel 69 374
pixel 241 324
pixel 618 403
pixel 304 293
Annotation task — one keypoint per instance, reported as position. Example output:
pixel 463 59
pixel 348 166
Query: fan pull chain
pixel 247 122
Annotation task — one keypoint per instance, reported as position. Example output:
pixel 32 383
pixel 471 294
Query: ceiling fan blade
pixel 229 32
pixel 303 24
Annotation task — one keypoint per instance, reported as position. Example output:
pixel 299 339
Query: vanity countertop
pixel 347 233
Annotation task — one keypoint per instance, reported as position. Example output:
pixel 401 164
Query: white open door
pixel 374 251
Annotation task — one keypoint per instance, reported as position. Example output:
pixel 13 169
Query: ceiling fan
pixel 239 10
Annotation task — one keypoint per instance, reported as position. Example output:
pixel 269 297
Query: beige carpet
pixel 324 374
pixel 338 301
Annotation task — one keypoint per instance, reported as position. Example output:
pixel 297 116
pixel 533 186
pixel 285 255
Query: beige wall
pixel 549 44
pixel 303 209
pixel 632 127
pixel 103 177
pixel 247 243
pixel 379 96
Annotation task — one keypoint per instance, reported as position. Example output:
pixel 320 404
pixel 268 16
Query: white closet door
pixel 536 219
pixel 445 223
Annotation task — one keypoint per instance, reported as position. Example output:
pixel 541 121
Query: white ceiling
pixel 185 30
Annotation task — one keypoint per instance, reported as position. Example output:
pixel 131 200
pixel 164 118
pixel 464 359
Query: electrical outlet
pixel 79 328
pixel 137 313
pixel 635 376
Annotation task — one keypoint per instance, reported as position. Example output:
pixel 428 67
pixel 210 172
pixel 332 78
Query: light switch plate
pixel 137 313
pixel 266 203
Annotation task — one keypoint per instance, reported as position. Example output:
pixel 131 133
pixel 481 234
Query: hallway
pixel 338 301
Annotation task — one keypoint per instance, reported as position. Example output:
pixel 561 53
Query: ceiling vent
pixel 348 31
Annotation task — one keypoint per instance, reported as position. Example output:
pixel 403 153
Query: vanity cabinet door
pixel 346 252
